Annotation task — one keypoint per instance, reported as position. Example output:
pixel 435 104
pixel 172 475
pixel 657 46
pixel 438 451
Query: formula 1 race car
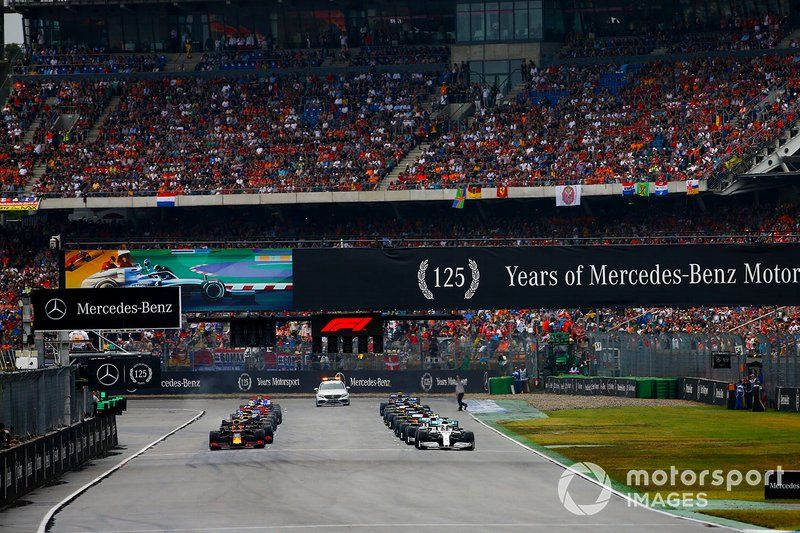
pixel 444 435
pixel 417 424
pixel 253 425
pixel 237 434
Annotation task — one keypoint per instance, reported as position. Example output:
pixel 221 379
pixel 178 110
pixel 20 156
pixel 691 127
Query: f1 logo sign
pixel 349 324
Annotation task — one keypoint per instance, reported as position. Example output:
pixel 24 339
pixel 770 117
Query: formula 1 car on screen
pixel 211 290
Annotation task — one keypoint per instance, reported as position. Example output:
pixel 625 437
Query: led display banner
pixel 109 309
pixel 521 277
pixel 123 373
pixel 370 325
pixel 212 279
pixel 337 279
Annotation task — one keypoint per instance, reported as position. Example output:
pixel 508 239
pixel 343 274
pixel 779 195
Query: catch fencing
pixel 775 356
pixel 35 402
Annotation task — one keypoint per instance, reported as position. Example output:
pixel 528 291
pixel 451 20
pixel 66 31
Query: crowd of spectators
pixel 47 61
pixel 231 134
pixel 260 59
pixel 734 33
pixel 607 124
pixel 26 262
pixel 399 55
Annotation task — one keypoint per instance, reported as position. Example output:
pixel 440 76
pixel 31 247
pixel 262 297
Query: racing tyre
pixel 382 407
pixel 213 436
pixel 409 431
pixel 213 290
pixel 106 284
pixel 469 437
pixel 421 435
pixel 260 435
pixel 269 435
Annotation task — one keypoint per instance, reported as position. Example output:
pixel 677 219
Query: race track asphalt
pixel 339 469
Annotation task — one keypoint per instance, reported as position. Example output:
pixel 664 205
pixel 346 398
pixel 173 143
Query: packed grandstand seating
pixel 296 132
pixel 733 33
pixel 660 120
pixel 200 135
pixel 606 124
pixel 399 55
pixel 83 60
pixel 260 59
pixel 26 265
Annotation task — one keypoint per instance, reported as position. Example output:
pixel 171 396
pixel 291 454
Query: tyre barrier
pixel 31 464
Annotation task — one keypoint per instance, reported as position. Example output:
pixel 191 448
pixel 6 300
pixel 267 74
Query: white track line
pixel 594 481
pixel 57 507
pixel 516 525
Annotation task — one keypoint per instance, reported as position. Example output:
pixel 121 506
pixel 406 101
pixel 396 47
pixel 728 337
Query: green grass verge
pixel 656 438
pixel 773 519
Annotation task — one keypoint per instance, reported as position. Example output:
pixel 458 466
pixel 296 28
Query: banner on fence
pixel 788 399
pixel 38 461
pixel 270 382
pixel 704 391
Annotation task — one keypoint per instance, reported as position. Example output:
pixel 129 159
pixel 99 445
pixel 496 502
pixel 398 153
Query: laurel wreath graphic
pixel 476 279
pixel 423 285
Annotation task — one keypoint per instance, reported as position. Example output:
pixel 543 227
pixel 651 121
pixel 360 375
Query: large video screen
pixel 211 279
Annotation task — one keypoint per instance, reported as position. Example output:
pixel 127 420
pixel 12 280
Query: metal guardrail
pixel 35 402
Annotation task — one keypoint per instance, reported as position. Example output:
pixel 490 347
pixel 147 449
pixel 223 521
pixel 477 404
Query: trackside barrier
pixel 788 399
pixel 706 391
pixel 34 463
pixel 359 381
pixel 591 386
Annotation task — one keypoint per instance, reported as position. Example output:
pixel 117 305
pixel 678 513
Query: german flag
pixel 473 192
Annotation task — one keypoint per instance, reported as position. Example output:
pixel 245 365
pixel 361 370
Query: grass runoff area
pixel 702 438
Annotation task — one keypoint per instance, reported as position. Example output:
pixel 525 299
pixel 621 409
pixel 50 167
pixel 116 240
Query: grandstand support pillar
pixel 63 348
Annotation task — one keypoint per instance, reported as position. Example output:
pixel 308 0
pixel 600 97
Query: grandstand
pixel 180 128
pixel 383 112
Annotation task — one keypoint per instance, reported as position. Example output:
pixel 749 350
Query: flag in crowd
pixel 692 187
pixel 732 162
pixel 628 188
pixel 643 188
pixel 661 187
pixel 461 196
pixel 474 192
pixel 22 203
pixel 502 192
pixel 568 195
pixel 165 199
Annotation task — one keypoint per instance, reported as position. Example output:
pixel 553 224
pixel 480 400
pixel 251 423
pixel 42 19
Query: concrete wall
pixel 100 202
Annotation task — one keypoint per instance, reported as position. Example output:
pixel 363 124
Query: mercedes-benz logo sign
pixel 107 374
pixel 55 309
pixel 245 382
pixel 426 382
